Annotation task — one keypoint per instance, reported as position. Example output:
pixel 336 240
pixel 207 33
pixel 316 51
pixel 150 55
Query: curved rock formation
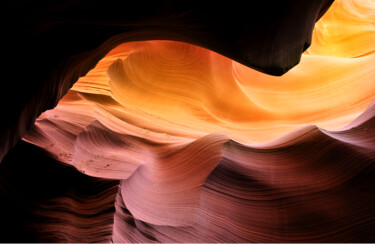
pixel 49 45
pixel 42 200
pixel 197 147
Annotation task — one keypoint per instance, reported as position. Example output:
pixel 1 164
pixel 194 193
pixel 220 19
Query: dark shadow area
pixel 42 200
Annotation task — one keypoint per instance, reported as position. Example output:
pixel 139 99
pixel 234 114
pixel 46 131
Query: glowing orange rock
pixel 210 150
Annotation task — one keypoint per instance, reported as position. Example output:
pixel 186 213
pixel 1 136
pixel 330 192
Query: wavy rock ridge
pixel 205 149
pixel 42 200
pixel 49 45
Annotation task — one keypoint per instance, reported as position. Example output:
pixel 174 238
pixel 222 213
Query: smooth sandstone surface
pixel 178 142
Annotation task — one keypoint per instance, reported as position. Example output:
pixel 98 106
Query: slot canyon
pixel 188 122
